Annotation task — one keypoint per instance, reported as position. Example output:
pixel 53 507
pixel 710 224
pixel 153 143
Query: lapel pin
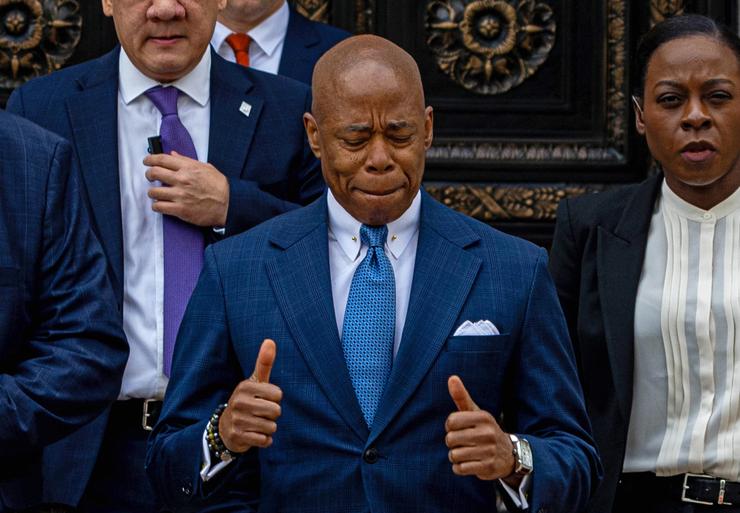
pixel 245 109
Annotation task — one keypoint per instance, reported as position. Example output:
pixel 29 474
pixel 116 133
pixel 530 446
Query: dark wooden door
pixel 531 97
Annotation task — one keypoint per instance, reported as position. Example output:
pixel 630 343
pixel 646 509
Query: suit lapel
pixel 301 280
pixel 235 112
pixel 443 276
pixel 620 255
pixel 299 36
pixel 93 114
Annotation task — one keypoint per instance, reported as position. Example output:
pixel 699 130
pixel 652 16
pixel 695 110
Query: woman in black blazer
pixel 649 278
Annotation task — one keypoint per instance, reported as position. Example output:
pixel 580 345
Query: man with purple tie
pixel 233 154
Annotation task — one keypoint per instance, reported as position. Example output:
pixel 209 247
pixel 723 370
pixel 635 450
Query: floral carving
pixel 490 203
pixel 617 110
pixel 489 46
pixel 36 37
pixel 316 10
pixel 662 9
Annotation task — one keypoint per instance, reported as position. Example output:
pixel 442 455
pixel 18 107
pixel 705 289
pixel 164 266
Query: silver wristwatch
pixel 523 455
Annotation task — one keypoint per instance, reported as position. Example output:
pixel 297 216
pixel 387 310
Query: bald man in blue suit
pixel 62 350
pixel 416 360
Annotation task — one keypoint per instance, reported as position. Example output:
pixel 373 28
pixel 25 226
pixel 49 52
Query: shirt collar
pixel 685 209
pixel 346 229
pixel 220 33
pixel 267 35
pixel 132 83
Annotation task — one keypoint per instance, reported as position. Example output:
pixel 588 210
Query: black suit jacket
pixel 596 262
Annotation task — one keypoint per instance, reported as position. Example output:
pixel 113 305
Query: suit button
pixel 371 455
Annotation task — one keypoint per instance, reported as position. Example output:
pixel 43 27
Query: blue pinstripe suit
pixel 62 350
pixel 274 281
pixel 265 157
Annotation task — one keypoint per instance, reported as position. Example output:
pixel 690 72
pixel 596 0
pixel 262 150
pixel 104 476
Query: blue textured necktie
pixel 370 322
pixel 183 242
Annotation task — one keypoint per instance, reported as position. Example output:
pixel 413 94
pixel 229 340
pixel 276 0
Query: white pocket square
pixel 476 329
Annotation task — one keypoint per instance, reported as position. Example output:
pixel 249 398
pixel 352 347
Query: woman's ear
pixel 639 115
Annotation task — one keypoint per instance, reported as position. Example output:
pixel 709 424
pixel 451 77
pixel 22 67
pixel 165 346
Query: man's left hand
pixel 478 446
pixel 194 191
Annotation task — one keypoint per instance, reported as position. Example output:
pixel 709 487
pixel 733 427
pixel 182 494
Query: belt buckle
pixel 720 495
pixel 686 487
pixel 146 415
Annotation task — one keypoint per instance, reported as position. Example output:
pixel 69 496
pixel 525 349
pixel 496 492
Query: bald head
pixel 365 63
pixel 369 127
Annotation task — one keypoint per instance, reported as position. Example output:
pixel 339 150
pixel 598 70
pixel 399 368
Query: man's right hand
pixel 250 418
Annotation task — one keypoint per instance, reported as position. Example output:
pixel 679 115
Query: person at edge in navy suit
pixel 271 36
pixel 233 154
pixel 62 349
pixel 361 354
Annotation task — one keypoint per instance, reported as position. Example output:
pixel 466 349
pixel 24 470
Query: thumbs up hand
pixel 250 418
pixel 478 446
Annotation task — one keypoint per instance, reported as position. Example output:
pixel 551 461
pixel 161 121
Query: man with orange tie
pixel 234 154
pixel 270 36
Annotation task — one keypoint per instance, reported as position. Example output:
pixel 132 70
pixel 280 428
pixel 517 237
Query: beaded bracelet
pixel 215 444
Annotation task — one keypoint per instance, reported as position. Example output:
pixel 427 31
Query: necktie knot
pixel 374 236
pixel 239 43
pixel 165 99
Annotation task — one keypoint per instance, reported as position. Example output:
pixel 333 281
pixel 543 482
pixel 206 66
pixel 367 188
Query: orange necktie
pixel 240 44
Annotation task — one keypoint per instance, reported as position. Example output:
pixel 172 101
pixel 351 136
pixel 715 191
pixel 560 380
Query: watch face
pixel 526 454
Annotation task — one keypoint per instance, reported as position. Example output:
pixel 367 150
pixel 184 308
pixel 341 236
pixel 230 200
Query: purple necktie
pixel 183 242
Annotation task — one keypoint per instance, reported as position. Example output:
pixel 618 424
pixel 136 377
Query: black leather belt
pixel 692 488
pixel 136 413
pixel 709 490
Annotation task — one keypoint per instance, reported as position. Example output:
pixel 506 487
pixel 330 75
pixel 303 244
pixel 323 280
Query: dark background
pixel 567 103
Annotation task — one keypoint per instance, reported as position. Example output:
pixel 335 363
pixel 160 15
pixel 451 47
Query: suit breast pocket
pixel 477 343
pixel 481 363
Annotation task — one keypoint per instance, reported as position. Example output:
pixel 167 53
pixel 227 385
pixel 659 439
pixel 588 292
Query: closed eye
pixel 354 143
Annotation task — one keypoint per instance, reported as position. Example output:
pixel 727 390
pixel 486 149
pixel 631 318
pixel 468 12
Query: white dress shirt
pixel 268 39
pixel 686 399
pixel 143 252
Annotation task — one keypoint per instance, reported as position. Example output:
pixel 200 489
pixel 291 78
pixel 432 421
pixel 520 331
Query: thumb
pixel 265 360
pixel 460 395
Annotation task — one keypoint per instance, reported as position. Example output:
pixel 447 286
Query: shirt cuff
pixel 519 497
pixel 206 470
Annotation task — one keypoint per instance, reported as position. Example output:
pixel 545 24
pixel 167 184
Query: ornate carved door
pixel 531 97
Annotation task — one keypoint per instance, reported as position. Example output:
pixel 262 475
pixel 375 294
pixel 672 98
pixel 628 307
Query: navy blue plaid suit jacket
pixel 62 350
pixel 265 156
pixel 274 282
